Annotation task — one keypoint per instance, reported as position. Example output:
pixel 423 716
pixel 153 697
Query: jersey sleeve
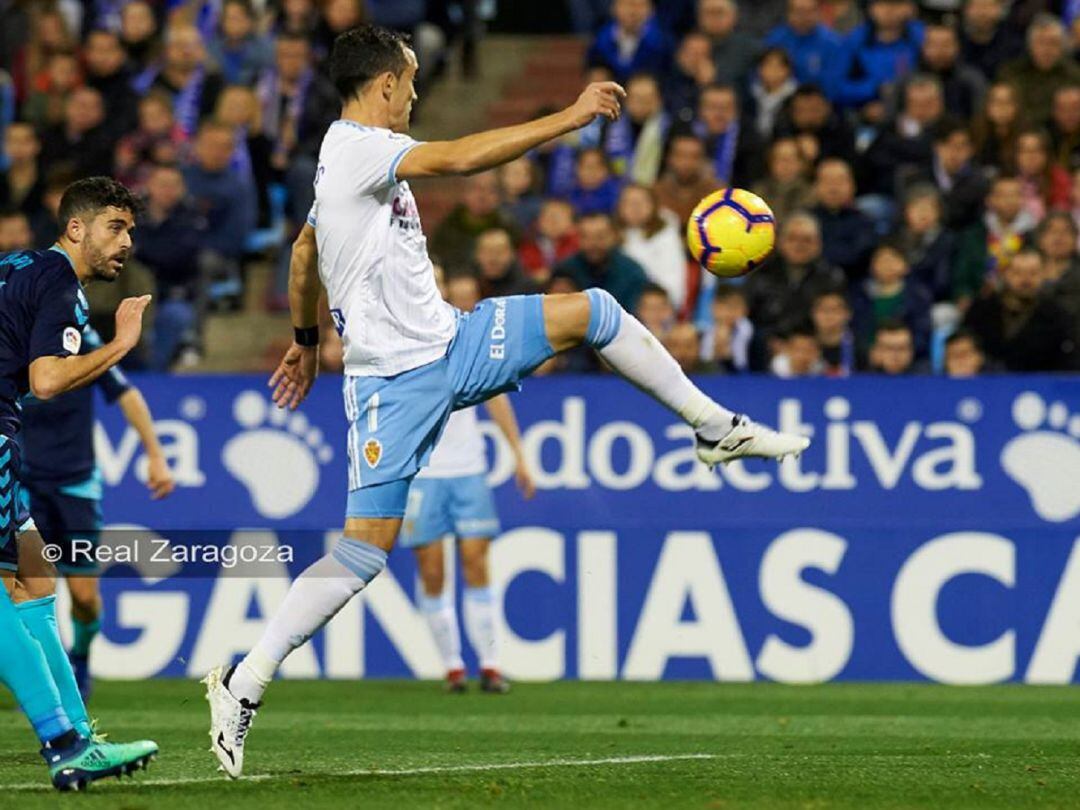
pixel 60 315
pixel 375 160
pixel 113 383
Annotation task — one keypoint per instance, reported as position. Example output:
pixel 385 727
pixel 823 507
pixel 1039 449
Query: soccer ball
pixel 731 232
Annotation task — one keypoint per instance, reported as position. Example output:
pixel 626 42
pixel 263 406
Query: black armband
pixel 308 336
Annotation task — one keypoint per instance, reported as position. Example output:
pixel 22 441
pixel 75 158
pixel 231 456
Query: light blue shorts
pixel 437 507
pixel 394 422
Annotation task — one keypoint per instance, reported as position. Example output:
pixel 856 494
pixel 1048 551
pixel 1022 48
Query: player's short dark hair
pixel 362 53
pixel 87 198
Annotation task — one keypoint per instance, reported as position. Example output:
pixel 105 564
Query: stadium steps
pixel 517 76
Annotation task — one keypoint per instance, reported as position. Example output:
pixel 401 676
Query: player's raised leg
pixel 595 318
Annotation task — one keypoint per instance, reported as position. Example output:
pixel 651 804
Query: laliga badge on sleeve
pixel 72 339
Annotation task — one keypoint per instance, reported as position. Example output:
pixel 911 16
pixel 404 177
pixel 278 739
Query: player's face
pixel 106 243
pixel 403 95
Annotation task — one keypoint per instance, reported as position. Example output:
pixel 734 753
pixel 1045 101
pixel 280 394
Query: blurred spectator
pixel 831 315
pixel 655 311
pixel 903 148
pixel 799 355
pixel 517 184
pixel 729 342
pixel 297 17
pixel 1044 68
pixel 239 108
pixel 963 87
pixel 783 288
pixel 684 344
pixel 733 52
pixel 157 140
pixel 239 50
pixel 878 54
pixel 771 85
pixel 986 43
pixel 651 236
pixel 813 47
pixel 337 17
pixel 48 100
pixel 731 144
pixel 168 245
pixel 893 352
pixel 595 188
pixel 22 185
pixel 498 270
pixel 554 239
pixel 49 35
pixel 463 291
pixel 952 172
pixel 187 77
pixel 928 247
pixel 987 247
pixel 107 72
pixel 15 232
pixel 843 16
pixel 995 129
pixel 820 131
pixel 693 71
pixel 140 38
pixel 1064 128
pixel 1019 328
pixel 1044 185
pixel 477 212
pixel 963 357
pixel 634 143
pixel 890 295
pixel 786 187
pixel 1057 242
pixel 848 233
pixel 600 263
pixel 226 201
pixel 686 179
pixel 81 141
pixel 632 41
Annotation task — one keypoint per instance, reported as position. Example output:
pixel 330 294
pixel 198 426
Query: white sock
pixel 442 620
pixel 479 608
pixel 314 598
pixel 631 350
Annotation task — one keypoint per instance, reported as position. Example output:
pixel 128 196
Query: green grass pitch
pixel 403 745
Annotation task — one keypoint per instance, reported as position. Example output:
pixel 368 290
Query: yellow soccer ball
pixel 731 232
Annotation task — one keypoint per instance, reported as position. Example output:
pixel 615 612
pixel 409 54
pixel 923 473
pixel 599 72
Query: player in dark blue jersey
pixel 61 482
pixel 43 311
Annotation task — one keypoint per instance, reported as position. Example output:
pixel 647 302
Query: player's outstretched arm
pixel 52 376
pixel 502 414
pixel 159 477
pixel 297 371
pixel 485 150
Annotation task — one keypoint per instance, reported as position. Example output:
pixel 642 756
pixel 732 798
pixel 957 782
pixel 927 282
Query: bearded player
pixel 42 314
pixel 410 358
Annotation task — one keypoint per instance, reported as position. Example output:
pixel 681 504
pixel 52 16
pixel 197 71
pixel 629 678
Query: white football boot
pixel 230 721
pixel 748 439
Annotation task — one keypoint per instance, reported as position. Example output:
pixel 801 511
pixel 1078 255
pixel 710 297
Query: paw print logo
pixel 277 456
pixel 1046 463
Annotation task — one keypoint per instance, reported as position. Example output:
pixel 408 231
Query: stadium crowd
pixel 923 162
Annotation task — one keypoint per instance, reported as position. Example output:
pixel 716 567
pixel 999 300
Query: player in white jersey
pixel 410 358
pixel 450 496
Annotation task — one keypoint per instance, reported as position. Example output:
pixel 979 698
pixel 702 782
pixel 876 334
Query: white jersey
pixel 373 257
pixel 460 450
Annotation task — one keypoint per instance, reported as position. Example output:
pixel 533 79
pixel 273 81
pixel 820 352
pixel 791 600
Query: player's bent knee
pixel 605 316
pixel 566 320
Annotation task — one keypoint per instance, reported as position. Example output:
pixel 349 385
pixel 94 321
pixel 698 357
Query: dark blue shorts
pixel 64 515
pixel 14 516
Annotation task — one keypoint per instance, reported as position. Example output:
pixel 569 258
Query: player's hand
pixel 159 479
pixel 524 480
pixel 294 376
pixel 599 98
pixel 129 321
